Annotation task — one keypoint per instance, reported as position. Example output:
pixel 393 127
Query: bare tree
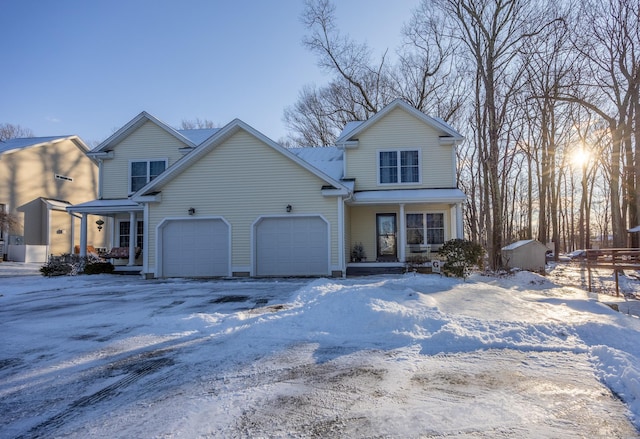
pixel 494 33
pixel 197 123
pixel 607 83
pixel 9 131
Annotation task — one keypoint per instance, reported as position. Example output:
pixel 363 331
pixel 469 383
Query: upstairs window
pixel 143 171
pixel 399 167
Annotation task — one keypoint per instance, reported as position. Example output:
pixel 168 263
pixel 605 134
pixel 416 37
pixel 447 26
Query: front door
pixel 386 234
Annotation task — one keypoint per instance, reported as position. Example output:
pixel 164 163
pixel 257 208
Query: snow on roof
pixel 518 244
pixel 25 142
pixel 327 159
pixel 199 135
pixel 350 126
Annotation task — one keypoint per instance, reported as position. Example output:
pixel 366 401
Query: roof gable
pixel 132 126
pixel 219 138
pixel 352 129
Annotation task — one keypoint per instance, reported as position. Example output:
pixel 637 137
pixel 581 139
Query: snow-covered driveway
pixel 397 356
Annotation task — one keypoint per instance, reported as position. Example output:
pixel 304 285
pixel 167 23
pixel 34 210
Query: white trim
pixel 399 103
pixel 408 196
pixel 286 216
pixel 341 238
pixel 402 231
pixel 132 234
pixel 166 220
pixel 145 239
pixel 148 176
pixel 133 125
pixel 399 152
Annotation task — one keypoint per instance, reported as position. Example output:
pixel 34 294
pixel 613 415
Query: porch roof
pixel 408 196
pixel 107 206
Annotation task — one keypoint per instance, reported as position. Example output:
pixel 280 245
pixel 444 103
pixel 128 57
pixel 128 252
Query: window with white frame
pixel 143 171
pixel 402 166
pixel 425 228
pixel 125 233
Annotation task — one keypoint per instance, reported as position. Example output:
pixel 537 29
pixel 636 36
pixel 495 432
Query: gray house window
pixel 143 171
pixel 399 166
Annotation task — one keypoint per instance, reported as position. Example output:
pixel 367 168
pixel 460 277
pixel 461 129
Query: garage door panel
pixel 195 248
pixel 295 246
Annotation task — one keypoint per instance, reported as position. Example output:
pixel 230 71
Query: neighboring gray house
pixel 528 255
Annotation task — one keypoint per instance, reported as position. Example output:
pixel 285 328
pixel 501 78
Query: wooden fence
pixel 616 259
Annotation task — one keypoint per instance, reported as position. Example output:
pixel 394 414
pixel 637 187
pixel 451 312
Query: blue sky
pixel 87 67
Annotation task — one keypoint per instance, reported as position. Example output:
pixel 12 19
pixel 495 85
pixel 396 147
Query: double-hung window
pixel 143 171
pixel 399 166
pixel 125 233
pixel 425 228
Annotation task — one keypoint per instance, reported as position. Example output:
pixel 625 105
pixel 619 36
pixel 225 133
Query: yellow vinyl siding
pixel 400 130
pixel 241 180
pixel 363 228
pixel 149 142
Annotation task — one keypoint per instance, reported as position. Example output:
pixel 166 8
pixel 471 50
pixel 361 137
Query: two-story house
pixel 39 178
pixel 231 202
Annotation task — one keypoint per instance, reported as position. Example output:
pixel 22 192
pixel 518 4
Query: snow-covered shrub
pixel 460 257
pixel 72 265
pixel 56 266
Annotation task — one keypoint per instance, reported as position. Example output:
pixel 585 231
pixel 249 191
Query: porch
pixel 399 231
pixel 121 220
pixel 374 268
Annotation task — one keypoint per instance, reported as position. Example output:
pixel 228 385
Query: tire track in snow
pixel 137 370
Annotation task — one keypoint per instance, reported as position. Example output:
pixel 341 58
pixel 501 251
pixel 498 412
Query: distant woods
pixel 197 123
pixel 9 131
pixel 546 94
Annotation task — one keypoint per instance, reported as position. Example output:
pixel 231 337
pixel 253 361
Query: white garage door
pixel 195 248
pixel 292 246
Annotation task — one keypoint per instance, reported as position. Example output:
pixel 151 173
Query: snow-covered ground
pixel 389 356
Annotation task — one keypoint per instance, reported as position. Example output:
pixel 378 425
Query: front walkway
pixel 13 269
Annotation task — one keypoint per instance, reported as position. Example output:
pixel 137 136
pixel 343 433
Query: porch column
pixel 341 243
pixel 133 238
pixel 402 235
pixel 459 222
pixel 83 235
pixel 72 232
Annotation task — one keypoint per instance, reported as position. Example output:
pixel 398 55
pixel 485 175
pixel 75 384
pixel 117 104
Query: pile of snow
pixel 394 356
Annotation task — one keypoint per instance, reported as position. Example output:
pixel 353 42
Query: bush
pixel 461 256
pixel 72 265
pixel 98 267
pixel 56 267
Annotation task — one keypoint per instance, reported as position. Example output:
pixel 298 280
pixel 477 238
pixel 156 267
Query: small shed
pixel 528 254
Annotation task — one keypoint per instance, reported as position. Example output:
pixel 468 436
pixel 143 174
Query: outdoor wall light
pixel 289 208
pixel 191 211
pixel 100 223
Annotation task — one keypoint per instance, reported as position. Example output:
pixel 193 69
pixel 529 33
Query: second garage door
pixel 292 246
pixel 194 248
